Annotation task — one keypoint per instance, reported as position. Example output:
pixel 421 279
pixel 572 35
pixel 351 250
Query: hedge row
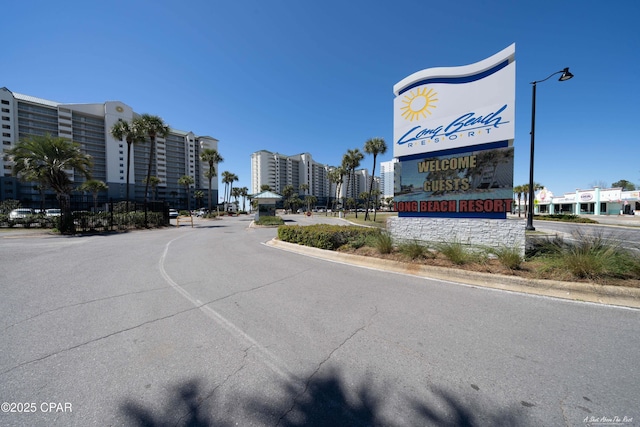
pixel 323 236
pixel 565 218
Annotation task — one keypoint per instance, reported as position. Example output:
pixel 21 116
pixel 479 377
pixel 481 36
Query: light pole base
pixel 530 228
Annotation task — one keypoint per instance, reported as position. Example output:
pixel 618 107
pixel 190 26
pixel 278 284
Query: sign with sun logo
pixel 453 137
pixel 455 107
pixel 418 104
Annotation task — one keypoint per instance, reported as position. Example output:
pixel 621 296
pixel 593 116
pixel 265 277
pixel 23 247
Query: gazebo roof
pixel 267 195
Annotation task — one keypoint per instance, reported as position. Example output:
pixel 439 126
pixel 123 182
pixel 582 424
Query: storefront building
pixel 596 201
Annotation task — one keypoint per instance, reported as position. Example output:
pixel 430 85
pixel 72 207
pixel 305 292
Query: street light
pixel 566 75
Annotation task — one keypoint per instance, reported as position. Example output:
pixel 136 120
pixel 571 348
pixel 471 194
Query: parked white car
pixel 20 213
pixel 52 212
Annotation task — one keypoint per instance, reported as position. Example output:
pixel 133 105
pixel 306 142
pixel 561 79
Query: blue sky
pixel 294 76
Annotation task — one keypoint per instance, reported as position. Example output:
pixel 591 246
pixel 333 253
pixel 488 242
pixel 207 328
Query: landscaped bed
pixel 588 258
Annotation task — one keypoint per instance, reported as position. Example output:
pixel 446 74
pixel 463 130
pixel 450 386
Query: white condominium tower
pixel 89 125
pixel 279 170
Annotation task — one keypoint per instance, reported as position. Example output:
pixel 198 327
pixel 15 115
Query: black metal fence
pixel 88 217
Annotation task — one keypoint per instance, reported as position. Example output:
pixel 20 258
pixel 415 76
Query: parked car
pixel 20 213
pixel 173 213
pixel 52 212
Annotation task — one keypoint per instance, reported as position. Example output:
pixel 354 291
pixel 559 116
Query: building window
pixel 5 118
pixel 5 102
pixel 8 135
pixel 5 110
pixel 6 126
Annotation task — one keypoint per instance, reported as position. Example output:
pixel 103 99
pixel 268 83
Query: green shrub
pixel 383 242
pixel 324 236
pixel 589 256
pixel 565 218
pixel 414 249
pixel 509 257
pixel 454 252
pixel 270 220
pixel 357 241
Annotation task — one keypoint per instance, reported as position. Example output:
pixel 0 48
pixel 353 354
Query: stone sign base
pixel 473 232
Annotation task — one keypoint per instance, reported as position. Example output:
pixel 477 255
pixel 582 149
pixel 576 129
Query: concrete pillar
pixel 596 208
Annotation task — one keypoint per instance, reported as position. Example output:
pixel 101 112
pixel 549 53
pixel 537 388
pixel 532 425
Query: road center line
pixel 268 358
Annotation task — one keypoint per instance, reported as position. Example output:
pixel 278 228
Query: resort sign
pixel 453 107
pixel 453 137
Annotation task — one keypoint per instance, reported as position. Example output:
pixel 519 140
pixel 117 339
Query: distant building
pixel 89 125
pixel 594 201
pixel 278 170
pixel 387 177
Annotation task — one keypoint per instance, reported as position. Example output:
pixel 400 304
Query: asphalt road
pixel 208 326
pixel 624 234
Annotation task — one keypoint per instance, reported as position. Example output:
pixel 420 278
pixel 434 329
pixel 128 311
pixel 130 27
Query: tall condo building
pixel 90 126
pixel 279 170
pixel 388 177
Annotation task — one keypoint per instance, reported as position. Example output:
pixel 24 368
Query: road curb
pixel 576 291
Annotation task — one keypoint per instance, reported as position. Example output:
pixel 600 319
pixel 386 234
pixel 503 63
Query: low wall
pixel 494 233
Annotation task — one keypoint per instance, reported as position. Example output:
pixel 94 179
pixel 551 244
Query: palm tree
pixel 228 178
pixel 187 181
pixel 310 200
pixel 49 158
pixel 352 160
pixel 336 176
pixel 376 205
pixel 244 192
pixel 265 187
pixel 518 190
pixel 373 146
pixel 153 182
pixel 94 186
pixel 212 157
pixel 232 178
pixel 199 195
pixel 304 187
pixel 525 190
pixel 154 127
pixel 133 134
pixel 287 193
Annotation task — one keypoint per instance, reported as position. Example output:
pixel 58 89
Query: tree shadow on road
pixel 323 401
pixel 188 405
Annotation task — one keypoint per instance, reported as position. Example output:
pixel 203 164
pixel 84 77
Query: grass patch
pixel 380 222
pixel 454 252
pixel 382 242
pixel 565 218
pixel 415 250
pixel 509 257
pixel 269 221
pixel 585 258
pixel 589 256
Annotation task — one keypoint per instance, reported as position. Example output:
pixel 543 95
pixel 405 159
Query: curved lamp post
pixel 566 75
